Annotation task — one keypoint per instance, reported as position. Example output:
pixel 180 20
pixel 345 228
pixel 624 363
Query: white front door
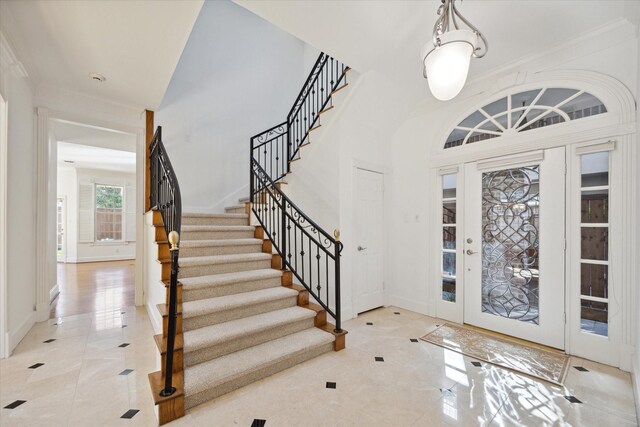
pixel 369 226
pixel 514 242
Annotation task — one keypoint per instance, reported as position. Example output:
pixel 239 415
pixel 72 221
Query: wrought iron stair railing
pixel 165 197
pixel 307 250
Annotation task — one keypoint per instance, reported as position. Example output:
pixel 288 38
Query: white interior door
pixel 61 226
pixel 514 244
pixel 369 210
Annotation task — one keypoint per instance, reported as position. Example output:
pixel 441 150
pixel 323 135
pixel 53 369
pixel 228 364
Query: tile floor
pixel 87 378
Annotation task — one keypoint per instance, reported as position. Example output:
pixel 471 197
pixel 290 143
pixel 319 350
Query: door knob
pixel 360 248
pixel 470 252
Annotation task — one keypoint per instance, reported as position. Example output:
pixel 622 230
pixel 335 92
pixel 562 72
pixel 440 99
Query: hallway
pixel 93 287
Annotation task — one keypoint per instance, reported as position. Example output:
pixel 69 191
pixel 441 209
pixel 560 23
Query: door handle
pixel 470 252
pixel 360 249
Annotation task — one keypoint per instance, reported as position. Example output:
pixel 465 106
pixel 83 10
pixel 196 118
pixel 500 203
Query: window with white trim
pixel 525 111
pixel 109 213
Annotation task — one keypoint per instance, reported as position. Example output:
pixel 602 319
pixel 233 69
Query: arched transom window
pixel 525 111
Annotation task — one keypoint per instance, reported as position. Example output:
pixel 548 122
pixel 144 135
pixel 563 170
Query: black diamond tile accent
pixel 15 404
pixel 369 323
pixel 331 385
pixel 396 312
pixel 573 399
pixel 258 423
pixel 414 340
pixel 49 340
pixel 36 366
pixel 122 312
pixel 581 368
pixel 124 326
pixel 476 364
pixel 124 344
pixel 437 326
pixel 126 372
pixel 379 359
pixel 130 413
pixel 55 324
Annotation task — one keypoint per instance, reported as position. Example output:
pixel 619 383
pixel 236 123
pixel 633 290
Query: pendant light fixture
pixel 446 58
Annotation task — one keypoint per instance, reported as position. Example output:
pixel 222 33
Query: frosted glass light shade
pixel 447 66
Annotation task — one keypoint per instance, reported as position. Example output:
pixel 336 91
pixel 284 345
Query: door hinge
pixel 565 244
pixel 565 317
pixel 565 169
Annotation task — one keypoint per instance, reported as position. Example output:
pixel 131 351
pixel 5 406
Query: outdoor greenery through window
pixel 108 213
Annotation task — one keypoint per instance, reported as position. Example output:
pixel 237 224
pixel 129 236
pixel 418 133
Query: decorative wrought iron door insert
pixel 510 245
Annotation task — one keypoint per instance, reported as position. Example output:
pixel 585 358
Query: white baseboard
pixel 408 304
pixel 16 335
pixel 154 316
pixel 53 293
pixel 635 378
pixel 98 259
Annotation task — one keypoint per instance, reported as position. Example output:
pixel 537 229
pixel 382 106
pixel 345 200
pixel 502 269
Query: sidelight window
pixel 449 221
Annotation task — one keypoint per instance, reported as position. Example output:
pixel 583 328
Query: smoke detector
pixel 69 161
pixel 97 77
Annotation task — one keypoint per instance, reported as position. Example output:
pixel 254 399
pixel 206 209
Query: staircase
pixel 238 308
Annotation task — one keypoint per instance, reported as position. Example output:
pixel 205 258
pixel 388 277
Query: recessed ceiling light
pixel 97 77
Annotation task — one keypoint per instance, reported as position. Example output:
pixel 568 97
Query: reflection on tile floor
pixel 82 382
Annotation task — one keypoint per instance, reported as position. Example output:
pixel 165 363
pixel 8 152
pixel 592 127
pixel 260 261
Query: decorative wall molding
pixel 43 281
pixel 9 62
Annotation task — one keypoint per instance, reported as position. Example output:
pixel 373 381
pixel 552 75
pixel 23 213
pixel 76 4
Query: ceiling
pixel 89 157
pixel 134 44
pixel 78 133
pixel 389 35
pixel 90 147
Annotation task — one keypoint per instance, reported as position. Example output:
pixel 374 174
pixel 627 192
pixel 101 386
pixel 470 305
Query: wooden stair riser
pixel 171 410
pixel 178 361
pixel 165 325
pixel 276 262
pixel 178 292
pixel 161 236
pixel 172 407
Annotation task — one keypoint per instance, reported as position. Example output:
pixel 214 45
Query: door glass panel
pixel 510 227
pixel 594 317
pixel 449 203
pixel 594 241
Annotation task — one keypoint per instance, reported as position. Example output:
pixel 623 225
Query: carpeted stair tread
pixel 208 336
pixel 213 215
pixel 229 302
pixel 199 282
pixel 195 228
pixel 210 374
pixel 228 208
pixel 223 259
pixel 218 242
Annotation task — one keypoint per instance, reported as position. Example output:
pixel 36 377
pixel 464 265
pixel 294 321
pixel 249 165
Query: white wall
pixel 68 181
pixel 238 75
pixel 636 356
pixel 21 212
pixel 357 131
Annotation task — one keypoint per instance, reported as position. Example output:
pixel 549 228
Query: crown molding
pixel 9 62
